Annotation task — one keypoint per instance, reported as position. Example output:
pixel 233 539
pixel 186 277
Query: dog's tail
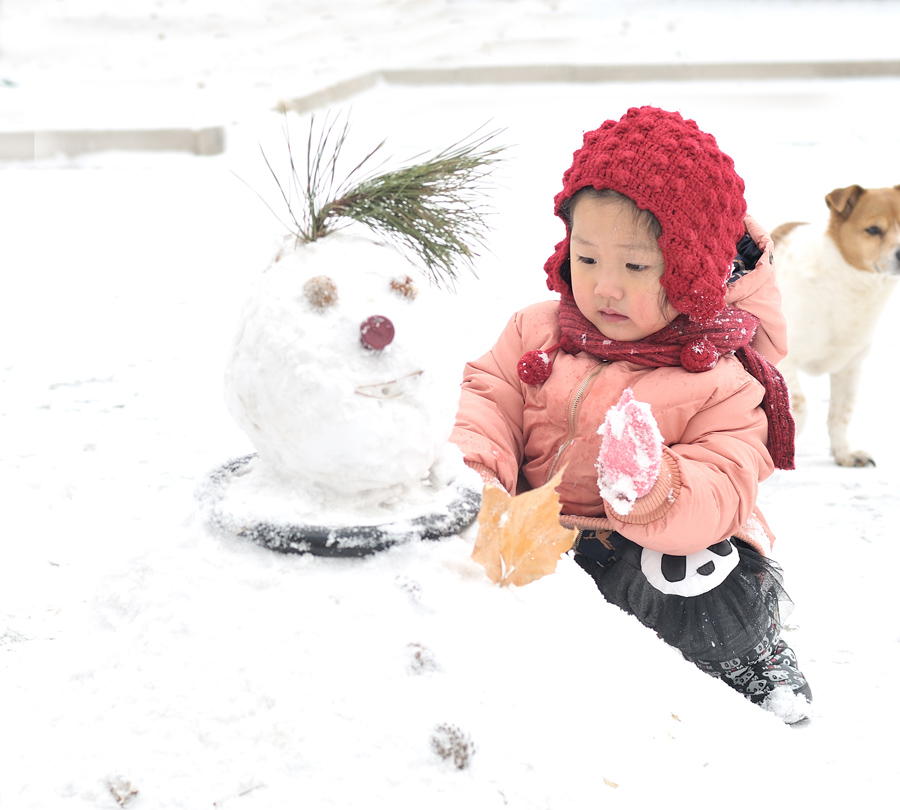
pixel 783 230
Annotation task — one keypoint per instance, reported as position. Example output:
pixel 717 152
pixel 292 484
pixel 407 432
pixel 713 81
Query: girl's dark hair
pixel 642 217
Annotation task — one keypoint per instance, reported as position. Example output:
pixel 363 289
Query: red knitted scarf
pixel 697 348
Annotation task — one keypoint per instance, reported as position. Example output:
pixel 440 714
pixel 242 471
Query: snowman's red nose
pixel 376 332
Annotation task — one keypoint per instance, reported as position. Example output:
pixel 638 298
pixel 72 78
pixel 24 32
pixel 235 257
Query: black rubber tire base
pixel 333 541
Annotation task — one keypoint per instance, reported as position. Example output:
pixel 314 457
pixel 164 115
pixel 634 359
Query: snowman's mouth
pixel 390 389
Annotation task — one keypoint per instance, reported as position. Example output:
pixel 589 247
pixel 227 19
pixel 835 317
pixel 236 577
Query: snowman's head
pixel 336 373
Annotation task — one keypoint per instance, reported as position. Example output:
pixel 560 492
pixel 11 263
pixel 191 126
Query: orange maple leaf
pixel 520 538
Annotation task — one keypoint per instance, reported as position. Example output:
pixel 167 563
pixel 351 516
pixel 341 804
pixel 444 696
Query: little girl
pixel 650 385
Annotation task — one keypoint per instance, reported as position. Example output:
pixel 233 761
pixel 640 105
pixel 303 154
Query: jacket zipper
pixel 571 419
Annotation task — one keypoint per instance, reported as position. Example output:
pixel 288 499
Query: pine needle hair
pixel 430 208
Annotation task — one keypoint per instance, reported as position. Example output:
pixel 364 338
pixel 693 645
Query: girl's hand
pixel 630 456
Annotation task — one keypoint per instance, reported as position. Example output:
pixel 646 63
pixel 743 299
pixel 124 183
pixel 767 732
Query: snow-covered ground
pixel 141 652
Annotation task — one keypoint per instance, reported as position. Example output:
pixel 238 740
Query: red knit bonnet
pixel 669 167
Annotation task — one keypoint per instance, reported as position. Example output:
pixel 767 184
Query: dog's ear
pixel 842 200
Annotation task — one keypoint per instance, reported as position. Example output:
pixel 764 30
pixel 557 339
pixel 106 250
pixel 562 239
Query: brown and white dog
pixel 835 281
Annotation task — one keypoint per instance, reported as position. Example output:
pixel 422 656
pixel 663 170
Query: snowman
pixel 332 373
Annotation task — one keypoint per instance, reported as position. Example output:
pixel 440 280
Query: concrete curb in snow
pixel 211 140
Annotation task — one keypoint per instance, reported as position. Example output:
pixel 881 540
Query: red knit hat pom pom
pixel 699 355
pixel 534 367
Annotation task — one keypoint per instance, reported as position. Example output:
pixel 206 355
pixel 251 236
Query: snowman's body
pixel 343 432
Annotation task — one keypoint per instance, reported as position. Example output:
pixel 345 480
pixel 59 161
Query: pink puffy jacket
pixel 713 428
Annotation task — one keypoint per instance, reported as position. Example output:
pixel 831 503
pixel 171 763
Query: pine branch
pixel 429 209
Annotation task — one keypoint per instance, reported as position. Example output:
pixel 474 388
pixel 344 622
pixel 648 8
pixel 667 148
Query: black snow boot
pixel 768 676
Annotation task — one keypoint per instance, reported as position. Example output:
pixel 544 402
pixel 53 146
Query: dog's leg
pixel 844 385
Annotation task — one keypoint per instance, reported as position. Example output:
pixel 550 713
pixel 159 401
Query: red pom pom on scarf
pixel 534 367
pixel 699 355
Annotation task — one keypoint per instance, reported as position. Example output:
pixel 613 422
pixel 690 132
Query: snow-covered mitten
pixel 631 453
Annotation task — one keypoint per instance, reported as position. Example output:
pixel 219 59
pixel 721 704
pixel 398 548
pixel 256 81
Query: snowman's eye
pixel 376 332
pixel 404 287
pixel 320 291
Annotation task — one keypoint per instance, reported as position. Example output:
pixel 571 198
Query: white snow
pixel 150 664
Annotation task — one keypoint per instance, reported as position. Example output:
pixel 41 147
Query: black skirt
pixel 709 615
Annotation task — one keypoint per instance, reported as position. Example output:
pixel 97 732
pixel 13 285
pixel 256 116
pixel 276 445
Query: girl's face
pixel 616 267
